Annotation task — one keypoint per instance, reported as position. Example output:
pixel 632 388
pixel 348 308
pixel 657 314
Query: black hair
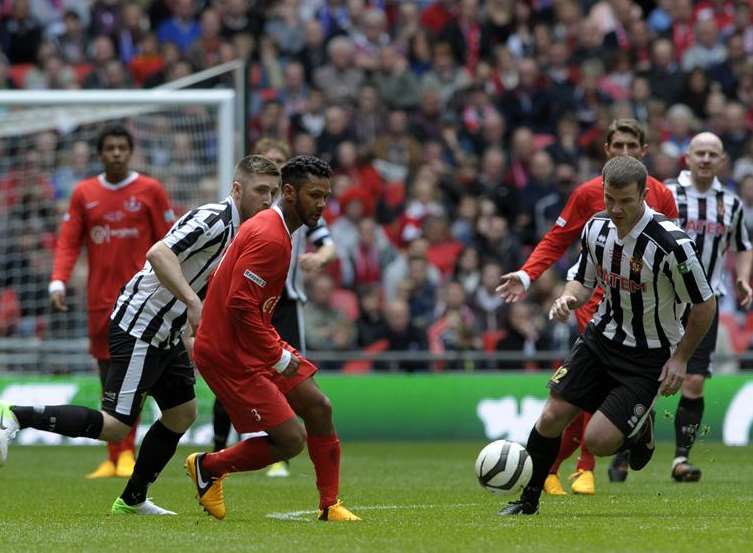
pixel 114 130
pixel 299 170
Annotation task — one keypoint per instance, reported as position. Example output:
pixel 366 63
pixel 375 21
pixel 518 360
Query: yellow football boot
pixel 337 513
pixel 126 462
pixel 105 470
pixel 583 482
pixel 553 486
pixel 209 490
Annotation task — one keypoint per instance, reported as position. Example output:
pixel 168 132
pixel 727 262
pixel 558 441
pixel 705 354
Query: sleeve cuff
pixel 524 279
pixel 284 361
pixel 56 286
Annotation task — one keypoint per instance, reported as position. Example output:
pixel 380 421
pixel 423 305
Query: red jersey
pixel 584 203
pixel 236 331
pixel 118 223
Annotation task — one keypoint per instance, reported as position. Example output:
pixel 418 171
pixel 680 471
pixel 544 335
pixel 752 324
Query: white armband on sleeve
pixel 284 361
pixel 524 279
pixel 56 286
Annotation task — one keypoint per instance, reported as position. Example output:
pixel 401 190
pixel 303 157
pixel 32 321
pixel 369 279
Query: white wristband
pixel 524 279
pixel 56 286
pixel 284 361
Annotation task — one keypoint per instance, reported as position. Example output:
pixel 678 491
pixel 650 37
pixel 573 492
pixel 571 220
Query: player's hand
pixel 193 312
pixel 57 299
pixel 562 307
pixel 292 368
pixel 745 293
pixel 311 262
pixel 672 376
pixel 511 288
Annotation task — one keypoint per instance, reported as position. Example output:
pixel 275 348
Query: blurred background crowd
pixel 456 129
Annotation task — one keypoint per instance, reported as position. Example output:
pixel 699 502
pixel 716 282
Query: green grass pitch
pixel 417 497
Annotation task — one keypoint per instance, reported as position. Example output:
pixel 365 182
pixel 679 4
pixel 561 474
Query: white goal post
pixel 188 138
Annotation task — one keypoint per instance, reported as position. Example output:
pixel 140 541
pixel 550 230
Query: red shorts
pixel 254 400
pixel 99 334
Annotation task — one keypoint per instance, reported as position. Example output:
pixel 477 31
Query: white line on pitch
pixel 297 515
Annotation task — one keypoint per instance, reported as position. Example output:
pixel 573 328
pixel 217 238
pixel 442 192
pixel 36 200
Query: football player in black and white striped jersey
pixel 712 216
pixel 636 346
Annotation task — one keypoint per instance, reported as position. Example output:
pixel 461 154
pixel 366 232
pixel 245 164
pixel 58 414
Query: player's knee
pixel 551 422
pixel 293 443
pixel 113 430
pixel 601 444
pixel 693 386
pixel 180 419
pixel 321 408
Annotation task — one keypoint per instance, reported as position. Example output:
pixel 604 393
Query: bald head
pixel 705 158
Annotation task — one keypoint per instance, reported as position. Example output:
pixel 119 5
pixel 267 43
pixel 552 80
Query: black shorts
pixel 700 362
pixel 288 321
pixel 621 382
pixel 138 369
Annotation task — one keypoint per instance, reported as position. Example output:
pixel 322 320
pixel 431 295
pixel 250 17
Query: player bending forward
pixel 262 381
pixel 635 345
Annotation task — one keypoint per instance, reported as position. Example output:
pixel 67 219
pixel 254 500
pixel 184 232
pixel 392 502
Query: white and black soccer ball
pixel 504 467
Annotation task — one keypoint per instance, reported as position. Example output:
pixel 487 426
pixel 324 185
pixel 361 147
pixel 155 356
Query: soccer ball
pixel 504 467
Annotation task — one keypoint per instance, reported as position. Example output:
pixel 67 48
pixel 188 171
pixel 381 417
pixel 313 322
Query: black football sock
pixel 67 420
pixel 156 450
pixel 543 452
pixel 687 421
pixel 221 423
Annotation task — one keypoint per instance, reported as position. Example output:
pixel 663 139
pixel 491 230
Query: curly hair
pixel 299 170
pixel 114 130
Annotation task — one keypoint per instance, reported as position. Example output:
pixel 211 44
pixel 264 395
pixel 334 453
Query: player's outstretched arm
pixel 574 295
pixel 743 262
pixel 167 267
pixel 512 287
pixel 699 321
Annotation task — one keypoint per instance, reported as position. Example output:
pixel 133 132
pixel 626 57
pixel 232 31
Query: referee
pixel 635 346
pixel 713 217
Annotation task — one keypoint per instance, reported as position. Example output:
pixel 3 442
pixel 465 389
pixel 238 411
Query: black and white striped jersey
pixel 318 236
pixel 648 277
pixel 714 220
pixel 146 309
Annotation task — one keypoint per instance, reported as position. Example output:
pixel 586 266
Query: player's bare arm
pixel 743 262
pixel 318 260
pixel 574 295
pixel 167 267
pixel 699 322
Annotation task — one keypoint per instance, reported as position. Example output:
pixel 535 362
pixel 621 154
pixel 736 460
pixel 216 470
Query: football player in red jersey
pixel 262 381
pixel 624 137
pixel 117 216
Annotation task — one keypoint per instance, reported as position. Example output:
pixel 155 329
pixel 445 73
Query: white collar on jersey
pixel 277 210
pixel 635 232
pixel 132 176
pixel 235 212
pixel 686 179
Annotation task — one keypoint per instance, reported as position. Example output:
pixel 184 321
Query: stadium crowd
pixel 456 129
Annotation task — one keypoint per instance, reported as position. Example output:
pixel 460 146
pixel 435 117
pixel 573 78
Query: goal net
pixel 184 138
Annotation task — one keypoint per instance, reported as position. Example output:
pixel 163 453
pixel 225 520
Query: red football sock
pixel 113 451
pixel 250 454
pixel 129 442
pixel 586 461
pixel 324 452
pixel 570 442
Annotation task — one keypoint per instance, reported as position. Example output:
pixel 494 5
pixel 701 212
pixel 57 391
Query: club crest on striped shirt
pixel 636 264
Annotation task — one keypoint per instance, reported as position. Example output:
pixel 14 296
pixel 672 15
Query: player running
pixel 148 353
pixel 624 137
pixel 261 380
pixel 636 346
pixel 118 214
pixel 713 217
